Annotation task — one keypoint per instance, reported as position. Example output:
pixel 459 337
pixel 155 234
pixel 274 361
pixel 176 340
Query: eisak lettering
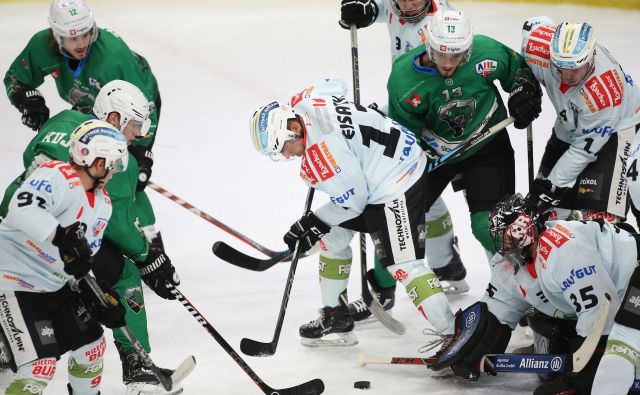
pixel 344 116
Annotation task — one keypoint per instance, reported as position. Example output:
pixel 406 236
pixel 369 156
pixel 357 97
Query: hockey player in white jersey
pixel 53 228
pixel 596 102
pixel 564 269
pixel 372 168
pixel 405 20
pixel 617 370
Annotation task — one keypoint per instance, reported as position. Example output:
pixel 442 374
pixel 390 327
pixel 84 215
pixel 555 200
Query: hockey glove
pixel 31 104
pixel 74 249
pixel 309 230
pixel 545 195
pixel 144 157
pixel 159 274
pixel 525 103
pixel 362 13
pixel 111 316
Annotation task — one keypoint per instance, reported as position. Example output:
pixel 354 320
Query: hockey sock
pixel 129 288
pixel 32 378
pixel 85 367
pixel 334 276
pixel 480 229
pixel 438 237
pixel 424 289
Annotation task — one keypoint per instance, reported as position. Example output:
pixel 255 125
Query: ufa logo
pixel 486 67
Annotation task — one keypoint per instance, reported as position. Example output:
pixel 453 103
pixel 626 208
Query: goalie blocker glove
pixel 362 13
pixel 144 158
pixel 75 251
pixel 309 230
pixel 525 103
pixel 158 273
pixel 31 104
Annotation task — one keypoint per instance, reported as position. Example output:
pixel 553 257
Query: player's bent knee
pixel 85 367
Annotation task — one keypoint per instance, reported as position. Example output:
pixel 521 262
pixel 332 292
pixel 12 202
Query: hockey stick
pixel 530 153
pixel 467 145
pixel 260 349
pixel 372 303
pixel 210 219
pixel 105 302
pixel 230 255
pixel 521 363
pixel 313 387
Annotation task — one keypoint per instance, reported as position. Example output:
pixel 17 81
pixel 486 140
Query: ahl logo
pixel 486 67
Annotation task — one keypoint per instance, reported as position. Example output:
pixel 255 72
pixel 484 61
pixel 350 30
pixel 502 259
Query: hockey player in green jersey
pixel 81 58
pixel 125 255
pixel 446 94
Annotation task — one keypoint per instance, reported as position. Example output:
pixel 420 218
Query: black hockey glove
pixel 545 195
pixel 74 249
pixel 525 103
pixel 144 157
pixel 362 13
pixel 158 273
pixel 111 316
pixel 309 230
pixel 31 104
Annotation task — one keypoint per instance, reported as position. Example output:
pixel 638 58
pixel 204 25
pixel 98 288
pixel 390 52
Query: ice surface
pixel 216 62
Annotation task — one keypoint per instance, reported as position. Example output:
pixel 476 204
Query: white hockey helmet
pixel 413 15
pixel 573 45
pixel 97 139
pixel 127 100
pixel 268 128
pixel 449 32
pixel 71 18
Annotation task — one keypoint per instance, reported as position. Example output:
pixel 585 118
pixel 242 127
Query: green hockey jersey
pixel 52 142
pixel 109 59
pixel 446 112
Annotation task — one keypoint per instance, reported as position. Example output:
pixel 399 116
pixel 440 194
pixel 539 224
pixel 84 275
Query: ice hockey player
pixel 82 58
pixel 405 21
pixel 125 253
pixel 373 170
pixel 617 369
pixel 596 102
pixel 54 226
pixel 564 269
pixel 445 92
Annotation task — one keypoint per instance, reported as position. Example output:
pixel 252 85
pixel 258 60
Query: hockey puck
pixel 363 385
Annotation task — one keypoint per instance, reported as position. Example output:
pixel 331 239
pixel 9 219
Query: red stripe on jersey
pixel 319 162
pixel 564 88
pixel 612 86
pixel 598 93
pixel 80 212
pixel 91 197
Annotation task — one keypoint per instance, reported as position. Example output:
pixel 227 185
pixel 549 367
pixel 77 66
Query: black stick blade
pixel 230 255
pixel 313 387
pixel 255 348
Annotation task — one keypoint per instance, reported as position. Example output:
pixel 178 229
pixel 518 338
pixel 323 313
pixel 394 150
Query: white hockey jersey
pixel 354 154
pixel 608 101
pixel 576 263
pixel 52 195
pixel 405 36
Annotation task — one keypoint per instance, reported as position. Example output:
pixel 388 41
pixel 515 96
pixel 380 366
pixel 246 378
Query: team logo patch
pixel 99 226
pixel 134 299
pixel 486 67
pixel 415 100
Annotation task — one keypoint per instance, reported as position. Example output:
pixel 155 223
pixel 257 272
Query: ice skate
pixel 334 327
pixel 359 309
pixel 452 275
pixel 140 380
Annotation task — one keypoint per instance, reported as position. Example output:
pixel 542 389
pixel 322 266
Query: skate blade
pixel 370 319
pixel 442 374
pixel 151 389
pixel 454 287
pixel 342 340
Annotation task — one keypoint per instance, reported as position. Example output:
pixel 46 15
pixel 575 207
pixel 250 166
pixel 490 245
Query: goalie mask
pixel 514 225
